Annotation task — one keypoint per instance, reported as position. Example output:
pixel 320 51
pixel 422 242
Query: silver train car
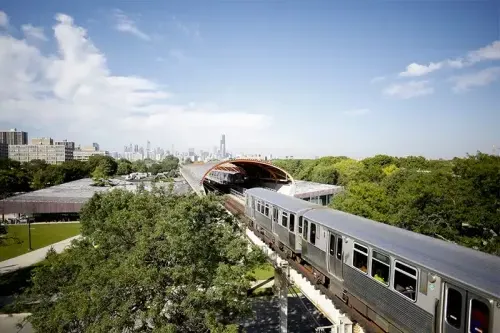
pixel 400 280
pixel 225 177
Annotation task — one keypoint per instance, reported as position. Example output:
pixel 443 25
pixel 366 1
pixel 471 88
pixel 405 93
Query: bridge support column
pixel 281 284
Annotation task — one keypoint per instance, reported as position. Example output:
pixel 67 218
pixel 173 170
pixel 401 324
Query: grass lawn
pixel 264 272
pixel 41 235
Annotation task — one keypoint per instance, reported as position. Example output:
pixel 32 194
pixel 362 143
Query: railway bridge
pixel 204 178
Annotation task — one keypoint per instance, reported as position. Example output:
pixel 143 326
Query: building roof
pixel 306 189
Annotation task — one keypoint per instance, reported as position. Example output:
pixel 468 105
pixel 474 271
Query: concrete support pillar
pixel 282 289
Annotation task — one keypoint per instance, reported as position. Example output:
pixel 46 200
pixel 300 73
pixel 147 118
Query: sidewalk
pixel 33 257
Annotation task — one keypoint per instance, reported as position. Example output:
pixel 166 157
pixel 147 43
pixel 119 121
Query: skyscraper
pixel 223 146
pixel 14 137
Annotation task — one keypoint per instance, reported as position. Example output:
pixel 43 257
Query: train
pixel 226 177
pixel 399 280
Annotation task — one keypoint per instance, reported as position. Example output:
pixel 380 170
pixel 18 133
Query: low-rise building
pixel 84 154
pixel 50 153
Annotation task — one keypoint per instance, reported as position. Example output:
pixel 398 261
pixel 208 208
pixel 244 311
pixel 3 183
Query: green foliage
pixel 124 167
pixel 107 164
pixel 457 200
pixel 149 260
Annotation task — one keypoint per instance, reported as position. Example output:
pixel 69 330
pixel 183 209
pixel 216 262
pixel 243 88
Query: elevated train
pixel 400 280
pixel 225 177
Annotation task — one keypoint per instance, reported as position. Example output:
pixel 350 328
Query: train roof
pixel 287 202
pixel 470 267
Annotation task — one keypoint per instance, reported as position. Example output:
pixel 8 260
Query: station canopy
pixel 253 169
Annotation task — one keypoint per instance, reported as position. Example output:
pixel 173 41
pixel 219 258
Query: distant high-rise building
pixel 136 148
pixel 191 151
pixel 14 137
pixel 69 144
pixel 125 149
pixel 96 146
pixel 4 150
pixel 223 146
pixel 42 141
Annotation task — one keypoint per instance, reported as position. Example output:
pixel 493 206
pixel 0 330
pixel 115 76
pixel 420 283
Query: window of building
pixel 332 245
pixel 360 258
pixel 267 211
pixel 300 225
pixel 405 280
pixel 454 308
pixel 306 229
pixel 339 248
pixel 291 225
pixel 312 236
pixel 284 219
pixel 381 267
pixel 479 317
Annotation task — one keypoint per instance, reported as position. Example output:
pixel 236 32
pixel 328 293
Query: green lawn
pixel 41 235
pixel 264 272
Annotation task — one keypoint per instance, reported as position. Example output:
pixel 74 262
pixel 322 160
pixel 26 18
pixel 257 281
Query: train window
pixel 258 206
pixel 291 225
pixel 300 225
pixel 381 267
pixel 339 248
pixel 262 208
pixel 454 308
pixel 332 245
pixel 312 236
pixel 405 280
pixel 306 229
pixel 267 211
pixel 360 258
pixel 284 219
pixel 275 215
pixel 479 317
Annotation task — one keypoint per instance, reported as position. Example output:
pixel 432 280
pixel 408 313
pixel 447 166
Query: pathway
pixel 33 257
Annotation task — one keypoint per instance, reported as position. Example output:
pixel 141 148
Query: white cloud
pixel 377 79
pixel 415 69
pixel 33 32
pixel 357 112
pixel 477 79
pixel 409 89
pixel 4 20
pixel 126 24
pixel 73 94
pixel 489 52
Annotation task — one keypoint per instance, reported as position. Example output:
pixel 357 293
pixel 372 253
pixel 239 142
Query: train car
pixel 225 177
pixel 277 220
pixel 401 280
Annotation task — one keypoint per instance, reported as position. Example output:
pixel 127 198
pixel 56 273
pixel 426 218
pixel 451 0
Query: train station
pixel 238 175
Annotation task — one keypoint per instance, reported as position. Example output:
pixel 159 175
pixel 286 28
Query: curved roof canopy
pixel 253 169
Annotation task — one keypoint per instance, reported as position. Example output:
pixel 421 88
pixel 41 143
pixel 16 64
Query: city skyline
pixel 308 83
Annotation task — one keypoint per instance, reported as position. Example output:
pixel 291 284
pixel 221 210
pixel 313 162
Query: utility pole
pixel 29 234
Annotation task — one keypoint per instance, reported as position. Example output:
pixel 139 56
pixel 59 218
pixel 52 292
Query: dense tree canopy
pixel 457 200
pixel 149 262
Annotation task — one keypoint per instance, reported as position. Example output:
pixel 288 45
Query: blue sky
pixel 302 78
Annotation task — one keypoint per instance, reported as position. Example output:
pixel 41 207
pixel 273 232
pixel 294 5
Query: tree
pixel 325 174
pixel 349 170
pixel 108 164
pixel 124 167
pixel 149 262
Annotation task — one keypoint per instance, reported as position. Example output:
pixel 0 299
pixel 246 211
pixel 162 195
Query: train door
pixel 335 256
pixel 275 217
pixel 478 318
pixel 454 309
pixel 252 208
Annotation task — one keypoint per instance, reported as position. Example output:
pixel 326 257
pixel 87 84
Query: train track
pixel 238 210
